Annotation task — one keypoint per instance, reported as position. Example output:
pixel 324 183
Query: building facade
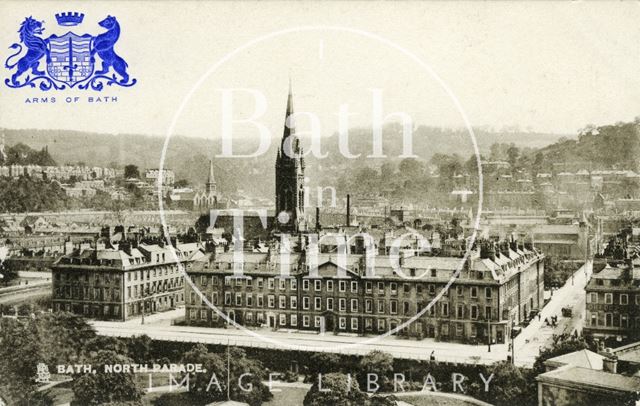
pixel 613 303
pixel 492 292
pixel 123 282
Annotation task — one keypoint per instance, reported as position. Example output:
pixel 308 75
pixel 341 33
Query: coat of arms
pixel 70 58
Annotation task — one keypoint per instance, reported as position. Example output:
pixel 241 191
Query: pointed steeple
pixel 211 180
pixel 293 146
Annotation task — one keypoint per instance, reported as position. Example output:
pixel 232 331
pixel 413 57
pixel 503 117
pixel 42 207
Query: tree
pixel 212 385
pixel 105 387
pixel 510 385
pixel 379 363
pixel 182 183
pixel 19 357
pixel 558 348
pixel 139 348
pixel 334 389
pixel 323 363
pixel 513 153
pixel 131 171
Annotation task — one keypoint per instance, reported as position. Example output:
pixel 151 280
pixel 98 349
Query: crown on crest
pixel 69 18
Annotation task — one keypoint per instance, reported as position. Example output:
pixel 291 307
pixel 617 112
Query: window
pixel 406 288
pixel 487 312
pixel 608 320
pixel 460 290
pixel 594 297
pixel 444 330
pixel 488 293
pixel 282 284
pixel 283 319
pixel 354 323
pixel 238 299
pixel 608 298
pixel 394 306
pixel 293 284
pixel 368 286
pixel 459 329
pixel 260 283
pixel 474 312
pixel 342 286
pixel 282 302
pixel 460 311
pixel 354 287
pixel 192 314
pixel 381 325
pixel 214 298
pixel 305 284
pixel 271 301
pixel 368 324
pixel 329 286
pixel 294 319
pixel 227 298
pixel 271 283
pixel 354 305
pixel 624 299
pixel 249 317
pixel 445 309
pixel 368 305
pixel 624 321
pixel 394 288
pixel 381 287
pixel 316 322
pixel 342 305
pixel 203 280
pixel 293 302
pixel 432 289
pixel 249 300
pixel 305 321
pixel 250 283
pixel 317 285
pixel 342 321
pixel 474 292
pixel 594 319
pixel 329 303
pixel 380 306
pixel 474 331
pixel 203 314
pixel 260 300
pixel 434 273
pixel 305 302
pixel 405 308
pixel 317 305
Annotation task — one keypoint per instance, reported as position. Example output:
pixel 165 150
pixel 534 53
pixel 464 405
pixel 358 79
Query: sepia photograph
pixel 319 203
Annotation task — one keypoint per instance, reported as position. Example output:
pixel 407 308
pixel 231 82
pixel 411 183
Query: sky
pixel 544 66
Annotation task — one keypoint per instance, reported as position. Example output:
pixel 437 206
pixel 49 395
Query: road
pixel 25 292
pixel 537 334
pixel 158 326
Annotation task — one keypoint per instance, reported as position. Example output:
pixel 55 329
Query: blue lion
pixel 36 49
pixel 103 46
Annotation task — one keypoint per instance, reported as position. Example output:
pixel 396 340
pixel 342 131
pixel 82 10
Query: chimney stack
pixel 348 210
pixel 610 364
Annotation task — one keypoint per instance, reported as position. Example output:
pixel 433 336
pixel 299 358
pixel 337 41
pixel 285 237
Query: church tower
pixel 290 177
pixel 210 187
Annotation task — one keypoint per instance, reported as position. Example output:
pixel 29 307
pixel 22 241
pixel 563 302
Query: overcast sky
pixel 552 67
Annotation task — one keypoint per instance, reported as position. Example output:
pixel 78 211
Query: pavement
pixel 527 345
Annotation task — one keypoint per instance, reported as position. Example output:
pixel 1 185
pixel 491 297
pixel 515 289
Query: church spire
pixel 292 146
pixel 211 180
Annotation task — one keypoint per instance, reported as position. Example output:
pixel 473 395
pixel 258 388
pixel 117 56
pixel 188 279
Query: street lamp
pixel 489 332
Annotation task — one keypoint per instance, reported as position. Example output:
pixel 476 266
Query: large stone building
pixel 613 303
pixel 493 291
pixel 123 282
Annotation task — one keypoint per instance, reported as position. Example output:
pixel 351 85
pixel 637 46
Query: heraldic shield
pixel 70 58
